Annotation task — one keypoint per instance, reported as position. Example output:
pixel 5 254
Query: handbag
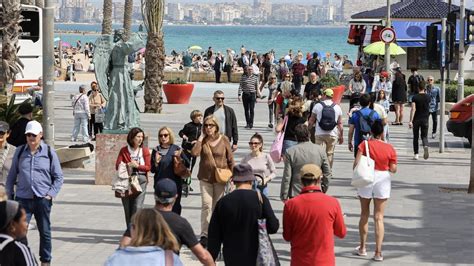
pixel 266 255
pixel 179 168
pixel 99 116
pixel 364 172
pixel 222 175
pixel 277 146
pixel 125 185
pixel 392 107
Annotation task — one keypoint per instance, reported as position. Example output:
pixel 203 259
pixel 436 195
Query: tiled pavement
pixel 425 223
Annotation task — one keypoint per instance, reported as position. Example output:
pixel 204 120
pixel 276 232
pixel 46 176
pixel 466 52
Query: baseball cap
pixel 328 92
pixel 8 211
pixel 165 190
pixel 243 172
pixel 310 171
pixel 4 127
pixel 33 127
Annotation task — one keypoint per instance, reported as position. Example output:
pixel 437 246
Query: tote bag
pixel 266 255
pixel 277 146
pixel 364 172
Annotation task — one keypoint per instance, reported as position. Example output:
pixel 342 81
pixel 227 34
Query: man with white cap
pixel 310 221
pixel 234 221
pixel 36 186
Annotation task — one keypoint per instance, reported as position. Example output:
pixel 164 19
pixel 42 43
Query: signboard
pixel 387 35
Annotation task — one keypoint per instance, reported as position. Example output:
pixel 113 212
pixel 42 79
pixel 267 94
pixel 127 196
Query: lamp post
pixel 48 72
pixel 387 45
pixel 462 16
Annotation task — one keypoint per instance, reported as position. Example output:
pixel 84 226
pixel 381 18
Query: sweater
pixel 263 165
pixel 223 157
pixel 234 224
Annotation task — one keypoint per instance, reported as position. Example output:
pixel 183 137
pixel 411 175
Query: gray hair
pixel 82 88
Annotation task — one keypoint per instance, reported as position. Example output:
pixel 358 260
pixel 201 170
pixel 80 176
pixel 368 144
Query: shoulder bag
pixel 266 255
pixel 364 172
pixel 179 168
pixel 222 175
pixel 277 146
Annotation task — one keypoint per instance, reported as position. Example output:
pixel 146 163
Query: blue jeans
pixel 288 144
pixel 81 122
pixel 41 209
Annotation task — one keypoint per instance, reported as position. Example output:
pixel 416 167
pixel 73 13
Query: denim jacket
pixel 434 93
pixel 146 255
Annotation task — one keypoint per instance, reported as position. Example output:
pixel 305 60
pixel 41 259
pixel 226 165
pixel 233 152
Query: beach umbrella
pixel 195 47
pixel 66 44
pixel 57 39
pixel 378 48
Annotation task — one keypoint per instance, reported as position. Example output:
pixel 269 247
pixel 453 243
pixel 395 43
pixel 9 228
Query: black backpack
pixel 365 123
pixel 328 117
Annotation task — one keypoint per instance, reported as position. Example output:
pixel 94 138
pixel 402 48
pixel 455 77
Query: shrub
pixel 329 81
pixel 177 81
pixel 452 92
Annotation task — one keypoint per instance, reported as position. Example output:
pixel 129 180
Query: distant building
pixel 118 9
pixel 175 11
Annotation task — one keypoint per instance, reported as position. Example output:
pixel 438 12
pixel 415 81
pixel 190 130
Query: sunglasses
pixel 272 78
pixel 163 135
pixel 209 125
pixel 254 143
pixel 430 80
pixel 220 98
pixel 31 135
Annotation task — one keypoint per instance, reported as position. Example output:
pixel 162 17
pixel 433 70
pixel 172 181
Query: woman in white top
pixel 357 87
pixel 262 164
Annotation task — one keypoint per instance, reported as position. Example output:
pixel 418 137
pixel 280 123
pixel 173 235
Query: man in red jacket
pixel 310 221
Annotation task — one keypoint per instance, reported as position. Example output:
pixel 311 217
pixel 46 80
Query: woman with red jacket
pixel 137 157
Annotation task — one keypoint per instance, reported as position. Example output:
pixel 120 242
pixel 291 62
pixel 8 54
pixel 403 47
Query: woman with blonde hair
pixel 215 151
pixel 152 242
pixel 162 162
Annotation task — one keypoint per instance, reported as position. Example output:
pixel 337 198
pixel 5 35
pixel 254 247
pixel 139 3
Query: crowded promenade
pixel 426 210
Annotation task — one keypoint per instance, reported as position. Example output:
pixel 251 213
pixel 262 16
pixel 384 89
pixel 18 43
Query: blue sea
pixel 257 38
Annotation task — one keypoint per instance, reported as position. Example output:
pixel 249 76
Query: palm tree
pixel 153 13
pixel 107 20
pixel 11 64
pixel 28 2
pixel 39 3
pixel 127 19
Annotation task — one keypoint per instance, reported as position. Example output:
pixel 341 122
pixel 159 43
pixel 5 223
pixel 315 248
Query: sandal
pixel 359 252
pixel 378 257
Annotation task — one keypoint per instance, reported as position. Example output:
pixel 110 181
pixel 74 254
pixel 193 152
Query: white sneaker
pixel 426 152
pixel 433 135
pixel 416 157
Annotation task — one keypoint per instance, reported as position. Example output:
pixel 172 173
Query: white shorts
pixel 380 189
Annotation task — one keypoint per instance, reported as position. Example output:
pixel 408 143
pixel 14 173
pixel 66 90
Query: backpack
pixel 365 123
pixel 328 117
pixel 240 62
pixel 50 156
pixel 415 84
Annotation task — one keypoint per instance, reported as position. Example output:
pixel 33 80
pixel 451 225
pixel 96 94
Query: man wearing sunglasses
pixel 36 186
pixel 225 116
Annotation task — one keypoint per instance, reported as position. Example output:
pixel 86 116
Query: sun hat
pixel 165 190
pixel 310 171
pixel 243 172
pixel 33 127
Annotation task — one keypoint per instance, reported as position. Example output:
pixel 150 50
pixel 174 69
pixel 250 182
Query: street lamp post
pixel 48 72
pixel 462 16
pixel 387 45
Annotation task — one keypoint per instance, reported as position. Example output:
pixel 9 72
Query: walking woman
pixel 137 158
pixel 357 87
pixel 162 162
pixel 215 151
pixel 272 92
pixel 385 159
pixel 399 96
pixel 153 242
pixel 229 64
pixel 96 104
pixel 262 164
pixel 295 117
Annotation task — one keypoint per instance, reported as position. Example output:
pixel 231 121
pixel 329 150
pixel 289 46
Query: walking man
pixel 305 152
pixel 187 62
pixel 419 114
pixel 38 177
pixel 226 118
pixel 414 83
pixel 165 197
pixel 218 64
pixel 298 71
pixel 234 220
pixel 434 93
pixel 310 221
pixel 82 114
pixel 360 123
pixel 248 93
pixel 327 115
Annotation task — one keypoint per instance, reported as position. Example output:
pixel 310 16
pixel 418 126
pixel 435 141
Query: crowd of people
pixel 234 203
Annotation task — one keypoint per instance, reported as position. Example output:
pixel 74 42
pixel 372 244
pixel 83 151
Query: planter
pixel 338 93
pixel 178 93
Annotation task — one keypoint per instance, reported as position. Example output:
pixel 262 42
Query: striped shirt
pixel 14 253
pixel 248 84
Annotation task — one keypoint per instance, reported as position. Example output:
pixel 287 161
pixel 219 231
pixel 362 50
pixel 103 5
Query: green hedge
pixel 452 92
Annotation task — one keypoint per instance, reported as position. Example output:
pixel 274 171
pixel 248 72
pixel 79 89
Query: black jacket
pixel 230 122
pixel 192 131
pixel 17 134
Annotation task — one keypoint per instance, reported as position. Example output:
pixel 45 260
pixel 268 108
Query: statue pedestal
pixel 107 149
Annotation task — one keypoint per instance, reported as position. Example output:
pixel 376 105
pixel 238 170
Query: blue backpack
pixel 365 123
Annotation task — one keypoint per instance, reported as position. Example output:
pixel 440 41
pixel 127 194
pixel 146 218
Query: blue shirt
pixel 146 255
pixel 434 93
pixel 35 173
pixel 354 120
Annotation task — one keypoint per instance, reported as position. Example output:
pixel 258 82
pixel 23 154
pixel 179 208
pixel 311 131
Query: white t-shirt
pixel 220 116
pixel 317 111
pixel 380 111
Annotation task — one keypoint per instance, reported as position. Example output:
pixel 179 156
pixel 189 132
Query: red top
pixel 124 156
pixel 279 99
pixel 298 69
pixel 310 221
pixel 382 153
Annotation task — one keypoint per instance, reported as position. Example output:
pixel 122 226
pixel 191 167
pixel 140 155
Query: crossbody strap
pixel 212 156
pixel 74 106
pixel 367 152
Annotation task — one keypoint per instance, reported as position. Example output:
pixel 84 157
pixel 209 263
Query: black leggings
pixel 434 118
pixel 420 125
